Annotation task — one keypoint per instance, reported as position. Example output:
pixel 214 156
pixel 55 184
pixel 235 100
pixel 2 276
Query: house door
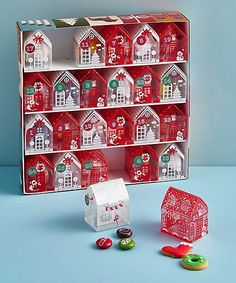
pixel 146 169
pixel 92 97
pixel 147 90
pixel 121 135
pixel 39 142
pixel 85 56
pixel 38 59
pixel 146 54
pixel 167 91
pixel 66 140
pixel 60 98
pixel 141 133
pixel 68 180
pixel 88 138
pixel 95 175
pixel 171 173
pixel 173 132
pixel 40 179
pixel 39 101
pixel 120 95
pixel 172 52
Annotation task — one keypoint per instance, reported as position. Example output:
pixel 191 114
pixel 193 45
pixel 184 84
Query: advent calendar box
pixel 103 98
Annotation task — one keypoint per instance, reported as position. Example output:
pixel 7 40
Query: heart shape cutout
pixel 178 252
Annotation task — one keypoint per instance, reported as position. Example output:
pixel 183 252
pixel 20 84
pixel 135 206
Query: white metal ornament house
pixel 174 85
pixel 66 90
pixel 171 164
pixel 146 45
pixel 37 51
pixel 38 137
pixel 120 88
pixel 93 130
pixel 107 205
pixel 67 173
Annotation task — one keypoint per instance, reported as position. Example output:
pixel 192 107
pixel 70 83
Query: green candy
pixel 126 244
pixel 195 261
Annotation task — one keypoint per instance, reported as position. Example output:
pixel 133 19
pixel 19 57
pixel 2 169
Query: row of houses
pixel 110 87
pixel 108 127
pixel 111 46
pixel 71 171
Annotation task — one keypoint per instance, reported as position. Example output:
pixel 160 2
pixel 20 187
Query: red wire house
pixel 173 43
pixel 67 173
pixel 65 132
pixel 89 47
pixel 173 84
pixel 120 87
pixel 173 124
pixel 93 130
pixel 146 44
pixel 38 134
pixel 184 216
pixel 146 124
pixel 146 85
pixel 37 93
pixel 66 92
pixel 38 175
pixel 94 90
pixel 94 167
pixel 141 164
pixel 37 51
pixel 120 127
pixel 171 163
pixel 118 46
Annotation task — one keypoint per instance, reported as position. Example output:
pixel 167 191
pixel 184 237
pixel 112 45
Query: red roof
pixel 139 150
pixel 140 71
pixel 183 202
pixel 38 158
pixel 90 155
pixel 109 32
pixel 171 110
pixel 169 29
pixel 111 114
pixel 92 73
pixel 65 118
pixel 31 78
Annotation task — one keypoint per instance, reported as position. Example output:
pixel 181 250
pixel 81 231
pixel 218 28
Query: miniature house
pixel 119 127
pixel 67 173
pixel 38 136
pixel 37 51
pixel 66 92
pixel 171 163
pixel 38 175
pixel 89 47
pixel 94 167
pixel 141 164
pixel 65 132
pixel 120 88
pixel 145 45
pixel 107 205
pixel 37 93
pixel 173 43
pixel 146 85
pixel 184 216
pixel 146 125
pixel 94 90
pixel 93 130
pixel 173 85
pixel 173 124
pixel 118 46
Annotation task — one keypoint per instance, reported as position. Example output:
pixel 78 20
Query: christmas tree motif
pixel 177 93
pixel 97 140
pixel 95 58
pixel 150 135
pixel 70 102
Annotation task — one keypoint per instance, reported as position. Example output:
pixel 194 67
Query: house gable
pixel 68 75
pixel 147 110
pixel 69 155
pixel 173 147
pixel 149 28
pixel 40 117
pixel 174 68
pixel 122 71
pixel 94 114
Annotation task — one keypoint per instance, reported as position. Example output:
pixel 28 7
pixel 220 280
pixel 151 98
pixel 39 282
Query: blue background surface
pixel 45 239
pixel 213 68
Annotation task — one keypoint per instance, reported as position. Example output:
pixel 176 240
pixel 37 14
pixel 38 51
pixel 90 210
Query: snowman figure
pixel 74 145
pixel 138 175
pixel 100 102
pixel 180 56
pixel 114 59
pixel 179 136
pixel 141 97
pixel 114 139
pixel 33 186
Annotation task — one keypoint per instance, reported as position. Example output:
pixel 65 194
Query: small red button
pixel 104 243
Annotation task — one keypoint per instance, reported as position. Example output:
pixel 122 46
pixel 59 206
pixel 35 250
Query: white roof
pixel 144 27
pixel 97 115
pixel 40 117
pixel 70 155
pixel 109 192
pixel 174 146
pixel 38 33
pixel 177 69
pixel 144 111
pixel 121 70
pixel 65 74
pixel 82 33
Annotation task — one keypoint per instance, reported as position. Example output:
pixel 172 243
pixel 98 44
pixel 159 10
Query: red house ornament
pixel 183 215
pixel 173 43
pixel 65 132
pixel 141 164
pixel 94 167
pixel 94 90
pixel 37 93
pixel 173 124
pixel 38 175
pixel 118 46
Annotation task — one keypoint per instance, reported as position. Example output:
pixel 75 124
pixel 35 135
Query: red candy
pixel 104 243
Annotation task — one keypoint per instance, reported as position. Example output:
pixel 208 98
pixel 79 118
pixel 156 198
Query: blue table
pixel 44 238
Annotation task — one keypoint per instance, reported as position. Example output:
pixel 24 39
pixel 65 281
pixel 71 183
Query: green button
pixel 126 244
